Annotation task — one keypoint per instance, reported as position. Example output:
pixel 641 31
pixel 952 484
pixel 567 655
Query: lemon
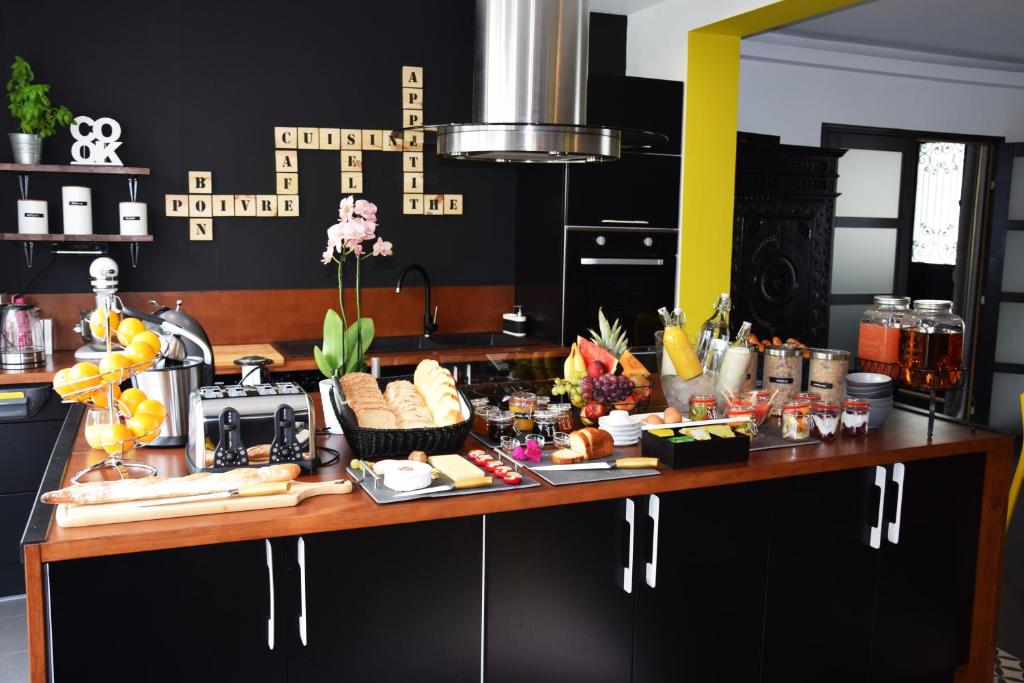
pixel 148 337
pixel 112 366
pixel 98 326
pixel 100 396
pixel 144 426
pixel 81 376
pixel 131 398
pixel 153 407
pixel 111 437
pixel 127 330
pixel 140 352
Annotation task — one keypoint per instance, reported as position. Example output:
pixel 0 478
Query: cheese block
pixel 455 467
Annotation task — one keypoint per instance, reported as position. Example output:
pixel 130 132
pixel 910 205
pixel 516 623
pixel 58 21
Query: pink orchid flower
pixel 353 231
pixel 381 248
pixel 354 246
pixel 367 210
pixel 345 208
pixel 328 254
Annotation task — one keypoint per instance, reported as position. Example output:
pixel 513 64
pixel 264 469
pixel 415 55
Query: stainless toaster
pixel 249 426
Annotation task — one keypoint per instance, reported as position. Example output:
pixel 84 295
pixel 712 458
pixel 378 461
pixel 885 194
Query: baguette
pixel 124 490
pixel 437 387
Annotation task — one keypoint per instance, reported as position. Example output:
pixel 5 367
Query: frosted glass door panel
pixel 1016 190
pixel 869 184
pixel 844 326
pixel 1010 337
pixel 1013 262
pixel 1005 411
pixel 863 260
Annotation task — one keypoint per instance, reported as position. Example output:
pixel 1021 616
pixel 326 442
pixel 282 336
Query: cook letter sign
pixel 96 141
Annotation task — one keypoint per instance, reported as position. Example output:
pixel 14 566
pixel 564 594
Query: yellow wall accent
pixel 709 147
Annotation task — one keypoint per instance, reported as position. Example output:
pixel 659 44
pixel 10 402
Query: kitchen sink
pixel 480 339
pixel 439 342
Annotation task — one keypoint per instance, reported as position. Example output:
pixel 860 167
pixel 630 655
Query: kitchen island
pixel 728 572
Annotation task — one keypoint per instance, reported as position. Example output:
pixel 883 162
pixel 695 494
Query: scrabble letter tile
pixel 199 206
pixel 330 138
pixel 412 203
pixel 433 205
pixel 200 182
pixel 413 183
pixel 351 161
pixel 266 205
pixel 200 229
pixel 412 98
pixel 453 205
pixel 392 143
pixel 411 117
pixel 412 76
pixel 287 183
pixel 286 160
pixel 176 205
pixel 351 138
pixel 373 139
pixel 412 140
pixel 351 183
pixel 223 205
pixel 245 205
pixel 285 137
pixel 309 138
pixel 412 162
pixel 287 205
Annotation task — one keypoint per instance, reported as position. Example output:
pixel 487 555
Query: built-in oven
pixel 629 272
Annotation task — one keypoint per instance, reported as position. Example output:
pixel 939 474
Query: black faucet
pixel 429 324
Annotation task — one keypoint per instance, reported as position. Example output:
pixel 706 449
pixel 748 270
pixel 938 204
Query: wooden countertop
pixel 902 438
pixel 534 349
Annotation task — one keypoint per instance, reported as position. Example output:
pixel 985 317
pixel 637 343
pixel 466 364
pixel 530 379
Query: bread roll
pixel 591 442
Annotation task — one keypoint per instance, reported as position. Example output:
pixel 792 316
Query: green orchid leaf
pixel 326 369
pixel 333 339
pixel 357 340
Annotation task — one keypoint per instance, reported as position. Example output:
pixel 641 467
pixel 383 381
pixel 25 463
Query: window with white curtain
pixel 940 176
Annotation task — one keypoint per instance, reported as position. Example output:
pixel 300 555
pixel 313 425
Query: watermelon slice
pixel 591 352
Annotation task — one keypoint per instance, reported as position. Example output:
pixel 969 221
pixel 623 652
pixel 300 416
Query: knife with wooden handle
pixel 620 464
pixel 264 489
pixel 469 483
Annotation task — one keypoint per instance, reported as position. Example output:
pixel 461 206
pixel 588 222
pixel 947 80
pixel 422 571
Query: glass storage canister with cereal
pixel 879 337
pixel 932 345
pixel 796 423
pixel 784 373
pixel 825 420
pixel 702 407
pixel 855 418
pixel 826 373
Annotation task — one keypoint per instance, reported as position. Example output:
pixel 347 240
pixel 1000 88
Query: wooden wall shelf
pixel 74 168
pixel 18 237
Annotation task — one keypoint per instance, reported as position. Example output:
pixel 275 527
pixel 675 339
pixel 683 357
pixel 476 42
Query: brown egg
pixel 673 415
pixel 653 420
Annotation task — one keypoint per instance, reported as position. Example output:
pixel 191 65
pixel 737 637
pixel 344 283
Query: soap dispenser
pixel 514 323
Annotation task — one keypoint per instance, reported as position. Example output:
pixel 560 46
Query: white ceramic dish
pixel 867 379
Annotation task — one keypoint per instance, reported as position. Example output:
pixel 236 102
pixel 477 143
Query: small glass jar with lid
pixel 826 373
pixel 545 424
pixel 499 424
pixel 796 423
pixel 931 350
pixel 855 418
pixel 879 338
pixel 480 415
pixel 702 407
pixel 564 419
pixel 783 373
pixel 522 404
pixel 745 413
pixel 825 420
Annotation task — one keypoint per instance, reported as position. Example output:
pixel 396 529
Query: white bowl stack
pixel 875 388
pixel 624 428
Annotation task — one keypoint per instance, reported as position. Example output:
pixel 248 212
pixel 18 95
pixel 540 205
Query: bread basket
pixel 380 443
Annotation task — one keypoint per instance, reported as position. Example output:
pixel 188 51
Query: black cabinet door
pixel 557 609
pixel 821 577
pixel 14 512
pixel 189 614
pixel 703 618
pixel 393 603
pixel 637 191
pixel 926 576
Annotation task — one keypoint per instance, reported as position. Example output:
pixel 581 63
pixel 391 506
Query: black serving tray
pixel 677 456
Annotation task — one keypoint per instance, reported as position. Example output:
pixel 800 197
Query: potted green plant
pixel 37 117
pixel 345 345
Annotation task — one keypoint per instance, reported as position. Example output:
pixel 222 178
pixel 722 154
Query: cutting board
pixel 69 515
pixel 224 357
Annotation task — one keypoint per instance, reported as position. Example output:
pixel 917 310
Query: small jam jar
pixel 563 417
pixel 742 412
pixel 702 407
pixel 824 420
pixel 499 424
pixel 522 404
pixel 544 422
pixel 480 415
pixel 855 418
pixel 796 423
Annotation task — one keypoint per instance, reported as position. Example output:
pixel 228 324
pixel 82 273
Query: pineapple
pixel 612 337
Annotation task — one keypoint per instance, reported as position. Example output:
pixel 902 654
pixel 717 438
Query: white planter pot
pixel 330 419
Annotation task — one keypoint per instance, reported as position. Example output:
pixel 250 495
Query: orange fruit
pixel 140 352
pixel 148 337
pixel 145 426
pixel 153 407
pixel 113 366
pixel 98 326
pixel 111 437
pixel 127 330
pixel 94 435
pixel 100 396
pixel 61 382
pixel 81 376
pixel 131 398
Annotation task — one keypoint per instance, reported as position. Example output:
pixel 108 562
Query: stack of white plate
pixel 877 390
pixel 623 427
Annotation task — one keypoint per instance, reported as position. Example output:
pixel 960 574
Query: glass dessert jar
pixel 879 337
pixel 825 420
pixel 522 405
pixel 702 407
pixel 744 413
pixel 809 396
pixel 931 350
pixel 855 418
pixel 499 424
pixel 826 373
pixel 783 373
pixel 796 423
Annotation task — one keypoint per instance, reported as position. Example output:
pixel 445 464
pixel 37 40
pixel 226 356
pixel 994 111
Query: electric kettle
pixel 21 337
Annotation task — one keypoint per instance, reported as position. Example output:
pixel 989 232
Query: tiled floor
pixel 13 652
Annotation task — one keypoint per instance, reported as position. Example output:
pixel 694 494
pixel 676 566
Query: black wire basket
pixel 382 443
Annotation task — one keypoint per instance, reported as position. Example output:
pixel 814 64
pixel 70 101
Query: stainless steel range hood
pixel 530 89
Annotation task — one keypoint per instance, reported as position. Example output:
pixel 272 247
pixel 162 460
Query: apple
pixel 593 411
pixel 627 404
pixel 596 369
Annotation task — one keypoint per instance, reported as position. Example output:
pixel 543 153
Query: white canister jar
pixel 134 218
pixel 77 202
pixel 33 217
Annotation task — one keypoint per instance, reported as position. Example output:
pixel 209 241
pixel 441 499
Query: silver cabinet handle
pixel 627 573
pixel 270 582
pixel 302 589
pixel 622 262
pixel 898 474
pixel 634 221
pixel 654 512
pixel 876 530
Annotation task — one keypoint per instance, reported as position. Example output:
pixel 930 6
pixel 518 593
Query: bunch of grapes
pixel 606 388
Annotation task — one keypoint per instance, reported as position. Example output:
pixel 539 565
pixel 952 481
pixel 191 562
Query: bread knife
pixel 474 482
pixel 264 489
pixel 620 464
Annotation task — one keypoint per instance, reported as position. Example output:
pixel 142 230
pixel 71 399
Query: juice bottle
pixel 678 346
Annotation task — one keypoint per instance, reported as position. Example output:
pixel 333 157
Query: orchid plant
pixel 345 346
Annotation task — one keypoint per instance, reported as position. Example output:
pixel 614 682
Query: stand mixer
pixel 104 273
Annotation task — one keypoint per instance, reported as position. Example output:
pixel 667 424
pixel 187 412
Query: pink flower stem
pixel 341 305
